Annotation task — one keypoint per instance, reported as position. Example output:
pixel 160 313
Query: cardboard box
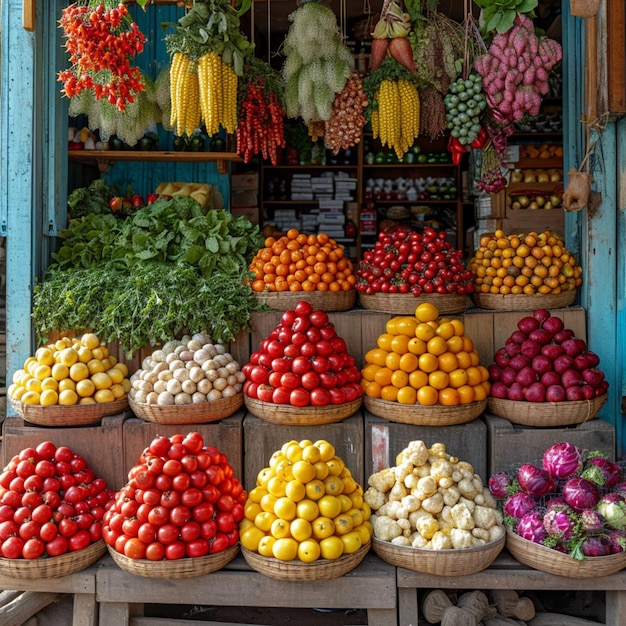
pixel 538 220
pixel 262 439
pixel 101 444
pixel 510 445
pixel 226 435
pixel 385 439
pixel 251 212
pixel 244 182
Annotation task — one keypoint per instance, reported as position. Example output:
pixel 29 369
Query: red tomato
pixel 337 396
pixel 170 499
pixel 281 395
pixel 159 515
pixel 320 397
pixel 299 338
pixel 12 499
pixel 208 529
pixel 288 317
pixel 31 499
pixel 168 533
pixel 299 397
pixel 190 531
pixel 25 468
pixel 129 508
pixel 95 532
pixel 191 497
pixel 181 482
pixel 155 551
pixel 250 389
pixel 175 551
pixel 33 548
pixel 135 549
pixel 160 446
pixel 68 527
pixel 265 392
pixel 318 318
pixel 280 364
pixel 177 451
pixel 180 515
pixel 215 474
pixel 196 548
pixel 56 546
pixel 29 530
pixel 320 364
pixel 29 454
pixel 328 380
pixel 310 380
pixel 130 527
pixel 11 547
pixel 219 543
pixel 172 467
pixel 147 532
pixel 292 350
pixel 45 468
pixel 202 512
pixel 225 502
pixel 328 331
pixel 313 334
pixel 51 484
pixel 338 344
pixel 300 325
pixel 290 380
pixel 352 391
pixel 64 454
pixel 259 374
pixel 303 308
pixel 48 531
pixel 275 348
pixel 335 360
pixel 46 450
pixel 341 377
pixel 151 497
pixel 300 365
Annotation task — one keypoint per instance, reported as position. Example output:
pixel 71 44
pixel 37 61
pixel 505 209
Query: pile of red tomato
pixel 51 503
pixel 407 261
pixel 182 499
pixel 303 362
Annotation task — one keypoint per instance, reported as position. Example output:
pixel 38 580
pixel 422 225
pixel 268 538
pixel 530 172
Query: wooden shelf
pixel 108 157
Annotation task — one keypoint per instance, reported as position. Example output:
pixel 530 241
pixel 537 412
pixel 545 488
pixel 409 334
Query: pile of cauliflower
pixel 432 500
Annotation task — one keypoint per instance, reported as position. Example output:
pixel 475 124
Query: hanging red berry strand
pixel 100 43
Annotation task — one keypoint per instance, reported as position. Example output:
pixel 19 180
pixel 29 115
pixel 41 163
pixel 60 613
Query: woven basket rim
pixel 416 414
pixel 75 415
pixel 177 568
pixel 308 415
pixel 546 414
pixel 327 300
pixel 201 413
pixel 406 303
pixel 53 567
pixel 452 562
pixel 322 569
pixel 524 302
pixel 552 561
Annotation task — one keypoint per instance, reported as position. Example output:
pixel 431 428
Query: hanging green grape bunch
pixel 465 103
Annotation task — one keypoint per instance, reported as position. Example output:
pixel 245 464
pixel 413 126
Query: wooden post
pixel 28 15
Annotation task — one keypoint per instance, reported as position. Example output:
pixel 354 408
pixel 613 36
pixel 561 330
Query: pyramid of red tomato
pixel 303 362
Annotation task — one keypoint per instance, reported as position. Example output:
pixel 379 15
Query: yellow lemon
pixel 101 380
pixel 102 396
pixel 303 471
pixel 251 537
pixel 95 366
pixel 30 397
pixel 90 340
pixel 309 551
pixel 426 312
pixel 68 397
pixel 79 371
pixel 329 505
pixel 45 356
pixel 295 490
pixel 118 391
pixel 331 547
pixel 300 529
pixel 68 356
pixel 265 546
pixel 48 397
pixel 67 383
pixel 60 371
pixel 85 388
pixel 307 509
pixel 285 549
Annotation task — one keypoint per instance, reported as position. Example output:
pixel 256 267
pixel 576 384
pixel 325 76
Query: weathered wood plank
pixel 27 604
pixel 159 621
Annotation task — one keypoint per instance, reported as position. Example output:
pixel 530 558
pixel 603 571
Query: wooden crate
pixel 385 439
pixel 262 439
pixel 101 444
pixel 490 329
pixel 226 435
pixel 121 596
pixel 510 445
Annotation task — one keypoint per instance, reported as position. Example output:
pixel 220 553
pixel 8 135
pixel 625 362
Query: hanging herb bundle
pixel 317 62
pixel 261 127
pixel 207 52
pixel 101 41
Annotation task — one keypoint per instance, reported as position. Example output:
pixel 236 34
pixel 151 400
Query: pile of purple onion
pixel 575 502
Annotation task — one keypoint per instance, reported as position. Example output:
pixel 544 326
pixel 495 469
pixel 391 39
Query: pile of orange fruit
pixel 536 263
pixel 300 262
pixel 305 506
pixel 425 359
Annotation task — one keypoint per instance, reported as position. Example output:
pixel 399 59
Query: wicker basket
pixel 288 415
pixel 418 415
pixel 178 568
pixel 546 414
pixel 554 562
pixel 200 413
pixel 53 567
pixel 76 415
pixel 324 300
pixel 322 569
pixel 523 302
pixel 405 304
pixel 440 562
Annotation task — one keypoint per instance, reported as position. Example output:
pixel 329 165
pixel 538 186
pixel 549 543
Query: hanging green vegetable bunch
pixel 317 63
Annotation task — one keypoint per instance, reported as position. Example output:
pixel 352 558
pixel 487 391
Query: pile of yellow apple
pixel 70 371
pixel 425 359
pixel 306 505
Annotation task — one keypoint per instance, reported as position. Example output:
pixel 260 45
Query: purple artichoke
pixel 597 545
pixel 561 525
pixel 612 506
pixel 534 480
pixel 601 471
pixel 499 485
pixel 592 522
pixel 581 493
pixel 518 504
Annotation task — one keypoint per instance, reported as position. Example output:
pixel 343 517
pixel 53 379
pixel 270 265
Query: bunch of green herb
pixel 499 15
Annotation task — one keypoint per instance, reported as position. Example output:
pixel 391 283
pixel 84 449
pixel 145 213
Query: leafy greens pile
pixel 169 267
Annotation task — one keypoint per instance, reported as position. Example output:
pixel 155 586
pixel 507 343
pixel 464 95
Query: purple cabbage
pixel 580 493
pixel 612 506
pixel 592 522
pixel 561 525
pixel 499 485
pixel 618 540
pixel 601 471
pixel 531 527
pixel 556 502
pixel 562 460
pixel 518 504
pixel 534 480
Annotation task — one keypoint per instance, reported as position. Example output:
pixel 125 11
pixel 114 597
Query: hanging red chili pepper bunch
pixel 261 124
pixel 101 42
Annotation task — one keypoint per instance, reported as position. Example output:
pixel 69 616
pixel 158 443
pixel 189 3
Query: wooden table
pixel 370 586
pixel 507 573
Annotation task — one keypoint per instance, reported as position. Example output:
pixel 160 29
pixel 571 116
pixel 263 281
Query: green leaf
pixel 212 244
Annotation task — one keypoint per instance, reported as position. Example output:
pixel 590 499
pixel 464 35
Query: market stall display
pixel 546 376
pixel 178 514
pixel 53 506
pixel 306 518
pixel 432 513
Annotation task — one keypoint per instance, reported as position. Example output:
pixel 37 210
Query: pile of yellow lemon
pixel 306 505
pixel 536 263
pixel 70 371
pixel 425 359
